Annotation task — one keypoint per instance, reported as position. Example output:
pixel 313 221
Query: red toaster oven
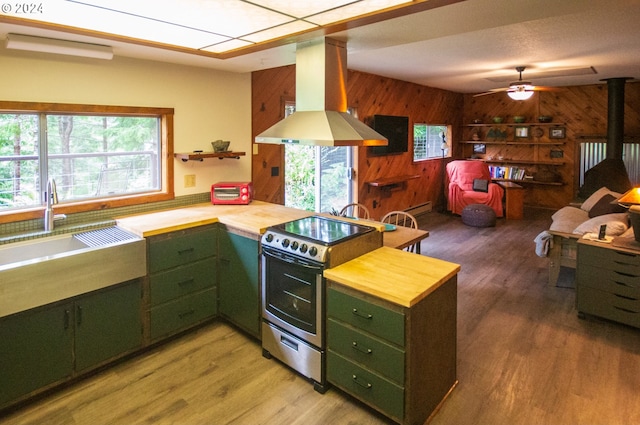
pixel 231 193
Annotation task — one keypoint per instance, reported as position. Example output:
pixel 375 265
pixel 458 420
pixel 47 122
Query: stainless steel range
pixel 294 255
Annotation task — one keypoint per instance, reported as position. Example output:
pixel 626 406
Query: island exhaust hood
pixel 321 117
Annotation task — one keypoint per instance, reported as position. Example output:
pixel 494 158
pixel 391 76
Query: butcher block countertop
pixel 253 218
pixel 393 275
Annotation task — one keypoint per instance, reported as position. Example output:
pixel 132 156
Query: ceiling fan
pixel 519 90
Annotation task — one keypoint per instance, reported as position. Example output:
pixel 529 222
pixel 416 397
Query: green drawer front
pixel 182 313
pixel 377 320
pixel 180 248
pixel 609 281
pixel 371 352
pixel 622 262
pixel 607 305
pixel 369 387
pixel 182 281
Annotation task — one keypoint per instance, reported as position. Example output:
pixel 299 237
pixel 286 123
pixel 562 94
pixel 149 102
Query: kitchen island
pixel 391 332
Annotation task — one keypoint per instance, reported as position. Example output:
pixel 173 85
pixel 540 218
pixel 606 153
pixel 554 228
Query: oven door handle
pixel 284 257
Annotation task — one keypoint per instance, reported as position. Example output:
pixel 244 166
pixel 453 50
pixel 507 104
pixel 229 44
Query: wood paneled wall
pixel 582 110
pixel 270 89
pixel 370 95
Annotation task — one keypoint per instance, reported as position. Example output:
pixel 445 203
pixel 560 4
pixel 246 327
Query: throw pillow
pixel 616 224
pixel 568 218
pixel 480 185
pixel 606 205
pixel 595 197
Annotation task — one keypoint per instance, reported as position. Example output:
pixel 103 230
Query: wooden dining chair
pixel 404 219
pixel 355 210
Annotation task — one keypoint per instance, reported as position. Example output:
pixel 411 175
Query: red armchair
pixel 460 177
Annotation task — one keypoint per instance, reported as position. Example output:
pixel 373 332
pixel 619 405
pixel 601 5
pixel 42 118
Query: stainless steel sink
pixel 41 271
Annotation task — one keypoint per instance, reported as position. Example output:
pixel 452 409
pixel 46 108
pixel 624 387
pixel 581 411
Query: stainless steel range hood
pixel 321 116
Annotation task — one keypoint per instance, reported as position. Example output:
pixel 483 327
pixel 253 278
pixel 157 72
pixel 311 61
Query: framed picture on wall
pixel 522 132
pixel 479 148
pixel 557 133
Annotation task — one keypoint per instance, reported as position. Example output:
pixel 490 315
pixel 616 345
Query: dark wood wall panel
pixel 369 94
pixel 269 91
pixel 582 110
pixel 372 94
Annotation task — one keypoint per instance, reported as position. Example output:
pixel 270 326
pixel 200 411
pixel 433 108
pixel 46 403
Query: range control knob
pixel 303 248
pixel 294 245
pixel 285 243
pixel 269 237
pixel 313 251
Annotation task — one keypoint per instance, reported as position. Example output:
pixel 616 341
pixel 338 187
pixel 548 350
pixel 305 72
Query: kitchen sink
pixel 39 249
pixel 45 270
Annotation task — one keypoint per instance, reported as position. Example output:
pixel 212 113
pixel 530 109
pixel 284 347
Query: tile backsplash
pixel 31 229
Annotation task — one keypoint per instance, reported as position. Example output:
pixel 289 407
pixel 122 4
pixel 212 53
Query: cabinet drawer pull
pixel 185 251
pixel 186 313
pixel 356 347
pixel 626 285
pixel 79 314
pixel 624 297
pixel 186 281
pixel 626 310
pixel 625 274
pixel 364 316
pixel 366 386
pixel 626 254
pixel 67 319
pixel 624 263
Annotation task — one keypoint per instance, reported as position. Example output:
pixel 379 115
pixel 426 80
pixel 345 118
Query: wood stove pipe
pixel 615 117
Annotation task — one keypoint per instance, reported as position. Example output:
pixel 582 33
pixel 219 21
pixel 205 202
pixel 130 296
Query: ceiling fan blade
pixel 534 88
pixel 547 73
pixel 543 88
pixel 483 94
pixel 492 91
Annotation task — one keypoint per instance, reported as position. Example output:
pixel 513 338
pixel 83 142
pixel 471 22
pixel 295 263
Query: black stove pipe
pixel 615 117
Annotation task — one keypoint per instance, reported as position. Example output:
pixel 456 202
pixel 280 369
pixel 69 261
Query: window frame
pixel 448 153
pixel 166 191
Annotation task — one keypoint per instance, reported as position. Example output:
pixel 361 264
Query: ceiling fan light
pixel 520 94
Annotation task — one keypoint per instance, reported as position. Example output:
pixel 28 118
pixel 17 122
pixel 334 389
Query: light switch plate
pixel 189 180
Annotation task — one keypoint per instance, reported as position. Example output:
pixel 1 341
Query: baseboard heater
pixel 419 209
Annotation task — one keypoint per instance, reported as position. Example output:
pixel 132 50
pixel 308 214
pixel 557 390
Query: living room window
pixel 430 141
pixel 99 156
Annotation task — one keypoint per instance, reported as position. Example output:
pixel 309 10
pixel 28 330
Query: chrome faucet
pixel 51 195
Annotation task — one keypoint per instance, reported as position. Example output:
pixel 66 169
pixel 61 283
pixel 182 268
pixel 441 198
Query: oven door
pixel 292 294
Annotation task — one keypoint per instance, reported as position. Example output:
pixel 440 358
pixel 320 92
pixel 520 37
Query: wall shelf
pixel 393 182
pixel 518 124
pixel 505 142
pixel 529 181
pixel 520 161
pixel 199 156
pixel 389 181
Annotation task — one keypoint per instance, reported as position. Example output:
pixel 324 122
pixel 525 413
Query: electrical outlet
pixel 189 180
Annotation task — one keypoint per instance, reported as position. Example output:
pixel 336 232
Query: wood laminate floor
pixel 523 357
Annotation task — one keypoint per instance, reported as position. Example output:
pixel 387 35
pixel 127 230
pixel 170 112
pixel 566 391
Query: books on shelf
pixel 507 172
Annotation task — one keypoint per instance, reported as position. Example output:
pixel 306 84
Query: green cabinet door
pixel 108 323
pixel 239 299
pixel 35 350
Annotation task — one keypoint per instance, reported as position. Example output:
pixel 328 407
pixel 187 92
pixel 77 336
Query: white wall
pixel 208 104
